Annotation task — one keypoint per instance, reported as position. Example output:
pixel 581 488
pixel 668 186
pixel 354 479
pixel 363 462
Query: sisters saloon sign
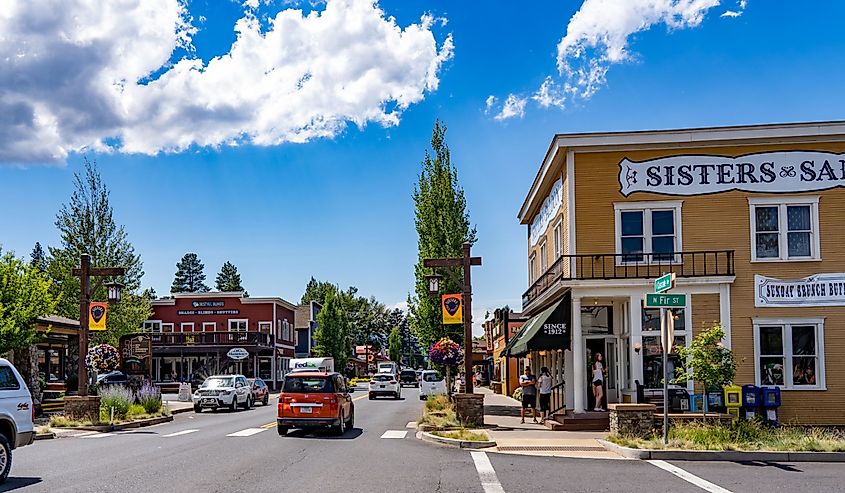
pixel 768 172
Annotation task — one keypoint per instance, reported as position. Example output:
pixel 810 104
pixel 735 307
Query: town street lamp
pixel 114 288
pixel 464 263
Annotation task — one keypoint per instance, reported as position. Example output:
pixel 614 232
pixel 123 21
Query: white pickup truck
pixel 17 413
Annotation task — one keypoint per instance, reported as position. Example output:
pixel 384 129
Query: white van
pixel 388 367
pixel 17 413
pixel 431 383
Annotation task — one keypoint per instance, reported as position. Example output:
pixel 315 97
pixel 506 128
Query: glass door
pixel 612 370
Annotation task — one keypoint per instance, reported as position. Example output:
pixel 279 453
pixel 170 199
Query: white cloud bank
pixel 598 36
pixel 84 74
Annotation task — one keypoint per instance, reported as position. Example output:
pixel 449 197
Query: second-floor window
pixel 558 240
pixel 784 228
pixel 543 258
pixel 532 274
pixel 648 231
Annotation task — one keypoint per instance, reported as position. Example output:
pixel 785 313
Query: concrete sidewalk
pixel 174 405
pixel 501 417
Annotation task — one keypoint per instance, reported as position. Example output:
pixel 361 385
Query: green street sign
pixel 664 283
pixel 660 300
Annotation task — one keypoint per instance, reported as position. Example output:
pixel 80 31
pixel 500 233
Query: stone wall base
pixel 469 409
pixel 632 419
pixel 83 408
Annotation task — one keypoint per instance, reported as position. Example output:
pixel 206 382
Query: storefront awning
pixel 549 330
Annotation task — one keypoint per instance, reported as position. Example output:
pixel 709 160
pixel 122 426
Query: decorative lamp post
pixel 433 284
pixel 114 288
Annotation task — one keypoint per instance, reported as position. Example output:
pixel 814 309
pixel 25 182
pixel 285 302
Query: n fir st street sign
pixel 662 300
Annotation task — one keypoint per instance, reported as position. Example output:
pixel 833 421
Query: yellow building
pixel 751 220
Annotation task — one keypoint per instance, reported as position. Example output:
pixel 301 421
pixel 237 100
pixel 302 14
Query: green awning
pixel 546 331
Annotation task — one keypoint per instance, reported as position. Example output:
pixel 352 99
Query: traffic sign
pixel 664 282
pixel 662 300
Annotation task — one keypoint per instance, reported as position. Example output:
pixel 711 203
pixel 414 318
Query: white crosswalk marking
pixel 394 434
pixel 180 433
pixel 411 424
pixel 247 432
pixel 486 473
pixel 99 435
pixel 688 477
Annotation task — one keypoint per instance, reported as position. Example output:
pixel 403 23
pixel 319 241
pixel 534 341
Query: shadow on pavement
pixel 325 435
pixel 13 483
pixel 776 465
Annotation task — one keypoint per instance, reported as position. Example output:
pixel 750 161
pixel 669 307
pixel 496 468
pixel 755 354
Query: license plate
pixel 382 386
pixel 305 410
pixel 209 401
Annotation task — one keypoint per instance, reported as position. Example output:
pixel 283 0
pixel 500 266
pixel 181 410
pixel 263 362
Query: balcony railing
pixel 631 266
pixel 219 338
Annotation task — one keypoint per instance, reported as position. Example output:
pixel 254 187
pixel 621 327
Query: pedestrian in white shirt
pixel 545 383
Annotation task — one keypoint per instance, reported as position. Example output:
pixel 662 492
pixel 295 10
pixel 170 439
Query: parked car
pixel 17 413
pixel 112 378
pixel 385 384
pixel 223 391
pixel 315 400
pixel 432 383
pixel 408 377
pixel 260 391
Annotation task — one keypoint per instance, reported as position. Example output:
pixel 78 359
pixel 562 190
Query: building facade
pixel 505 377
pixel 194 335
pixel 305 324
pixel 750 220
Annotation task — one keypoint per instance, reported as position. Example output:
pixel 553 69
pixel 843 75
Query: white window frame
pixel 238 320
pixel 785 323
pixel 150 329
pixel 532 274
pixel 557 239
pixel 783 241
pixel 170 326
pixel 647 208
pixel 544 257
pixel 184 325
pixel 206 325
pixel 287 334
pixel 267 326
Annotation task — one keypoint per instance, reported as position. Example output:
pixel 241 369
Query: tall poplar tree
pixel 394 345
pixel 332 335
pixel 86 225
pixel 228 278
pixel 190 275
pixel 443 225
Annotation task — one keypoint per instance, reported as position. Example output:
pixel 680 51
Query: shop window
pixel 168 327
pixel 648 231
pixel 597 319
pixel 652 351
pixel 153 326
pixel 789 353
pixel 784 228
pixel 558 240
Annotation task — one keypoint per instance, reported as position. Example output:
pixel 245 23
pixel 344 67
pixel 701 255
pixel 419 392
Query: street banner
pixel 453 309
pixel 97 316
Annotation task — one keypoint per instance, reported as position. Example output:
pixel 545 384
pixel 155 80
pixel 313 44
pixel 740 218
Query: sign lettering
pixel 555 329
pixel 208 312
pixel 547 212
pixel 202 304
pixel 658 300
pixel 770 172
pixel 815 290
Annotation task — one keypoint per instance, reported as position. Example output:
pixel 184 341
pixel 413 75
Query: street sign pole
pixel 664 326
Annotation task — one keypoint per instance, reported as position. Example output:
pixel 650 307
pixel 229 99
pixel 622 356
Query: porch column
pixel 578 357
pixel 636 320
pixel 725 312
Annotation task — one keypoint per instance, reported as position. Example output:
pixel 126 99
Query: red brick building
pixel 193 334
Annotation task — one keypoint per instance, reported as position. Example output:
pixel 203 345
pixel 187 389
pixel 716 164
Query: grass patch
pixel 59 421
pixel 439 413
pixel 465 435
pixel 741 436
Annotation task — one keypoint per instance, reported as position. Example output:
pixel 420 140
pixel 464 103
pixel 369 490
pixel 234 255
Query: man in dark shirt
pixel 528 382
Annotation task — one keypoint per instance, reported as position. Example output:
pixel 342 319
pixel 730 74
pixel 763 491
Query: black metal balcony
pixel 608 266
pixel 218 338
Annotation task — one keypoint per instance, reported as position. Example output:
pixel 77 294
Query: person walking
pixel 528 382
pixel 545 384
pixel 598 381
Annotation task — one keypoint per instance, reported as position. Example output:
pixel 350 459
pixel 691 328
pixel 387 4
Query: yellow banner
pixel 97 316
pixel 453 309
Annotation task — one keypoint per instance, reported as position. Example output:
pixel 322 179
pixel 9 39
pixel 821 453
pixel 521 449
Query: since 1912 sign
pixel 770 172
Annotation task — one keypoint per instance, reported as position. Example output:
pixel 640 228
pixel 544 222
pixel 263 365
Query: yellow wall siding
pixel 705 312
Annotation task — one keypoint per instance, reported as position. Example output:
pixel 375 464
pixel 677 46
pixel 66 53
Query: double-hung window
pixel 557 240
pixel 532 274
pixel 789 353
pixel 543 258
pixel 238 325
pixel 648 231
pixel 784 228
pixel 153 326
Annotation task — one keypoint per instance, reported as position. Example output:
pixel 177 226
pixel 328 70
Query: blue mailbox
pixel 770 398
pixel 750 401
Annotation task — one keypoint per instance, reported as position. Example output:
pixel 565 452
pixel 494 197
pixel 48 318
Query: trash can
pixel 733 399
pixel 750 401
pixel 771 402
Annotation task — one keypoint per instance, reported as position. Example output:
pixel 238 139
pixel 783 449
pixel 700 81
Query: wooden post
pixel 84 306
pixel 467 296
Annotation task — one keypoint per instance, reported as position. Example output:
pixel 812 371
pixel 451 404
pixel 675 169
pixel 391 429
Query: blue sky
pixel 330 198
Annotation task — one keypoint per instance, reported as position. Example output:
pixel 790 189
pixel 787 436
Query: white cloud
pixel 550 94
pixel 97 75
pixel 514 106
pixel 741 4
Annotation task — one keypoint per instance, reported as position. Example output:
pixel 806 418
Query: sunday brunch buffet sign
pixel 768 172
pixel 815 290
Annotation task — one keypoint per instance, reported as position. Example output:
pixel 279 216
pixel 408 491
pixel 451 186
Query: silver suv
pixel 16 415
pixel 223 391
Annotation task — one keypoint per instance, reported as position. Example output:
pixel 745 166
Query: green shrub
pixel 137 410
pixel 437 403
pixel 149 396
pixel 117 398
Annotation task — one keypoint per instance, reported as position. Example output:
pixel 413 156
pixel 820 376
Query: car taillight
pixel 393 382
pixel 372 382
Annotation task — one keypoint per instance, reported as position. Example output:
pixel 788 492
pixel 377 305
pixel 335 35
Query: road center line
pixel 247 432
pixel 359 397
pixel 486 473
pixel 688 477
pixel 269 425
pixel 179 433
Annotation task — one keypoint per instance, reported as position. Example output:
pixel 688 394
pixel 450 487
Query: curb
pixel 451 442
pixel 181 410
pixel 723 455
pixel 123 426
pixel 45 436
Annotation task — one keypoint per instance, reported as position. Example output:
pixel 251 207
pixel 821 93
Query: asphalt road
pixel 194 453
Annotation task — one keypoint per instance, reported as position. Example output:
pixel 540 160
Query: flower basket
pixel 102 358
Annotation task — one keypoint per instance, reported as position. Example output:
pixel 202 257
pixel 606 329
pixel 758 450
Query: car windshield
pixel 308 384
pixel 382 378
pixel 432 377
pixel 218 382
pixel 409 374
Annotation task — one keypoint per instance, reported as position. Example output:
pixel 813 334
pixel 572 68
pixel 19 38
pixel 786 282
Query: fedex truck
pixel 388 367
pixel 312 364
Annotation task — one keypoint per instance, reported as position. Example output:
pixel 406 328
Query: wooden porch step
pixel 588 421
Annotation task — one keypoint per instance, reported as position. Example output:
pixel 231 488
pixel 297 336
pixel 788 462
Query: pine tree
pixel 37 258
pixel 316 291
pixel 86 225
pixel 442 224
pixel 228 279
pixel 332 335
pixel 394 346
pixel 190 277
